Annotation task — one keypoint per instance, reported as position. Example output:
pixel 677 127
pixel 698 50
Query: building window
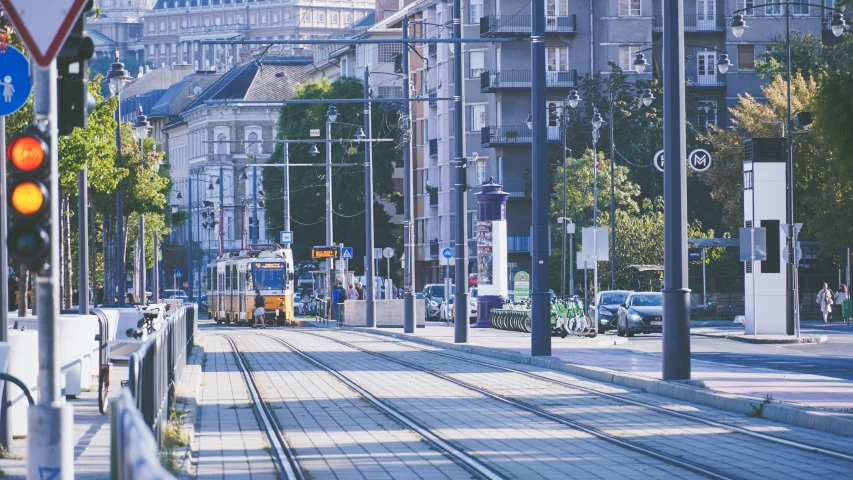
pixel 557 59
pixel 390 92
pixel 707 113
pixel 251 19
pixel 173 25
pixel 800 9
pixel 387 51
pixel 626 56
pixel 321 18
pixel 229 20
pixel 307 18
pixel 476 64
pixel 741 4
pixel 151 50
pixel 252 147
pixel 349 19
pixel 334 19
pixel 239 19
pixel 481 172
pixel 162 49
pixel 746 57
pixel 151 26
pixel 774 9
pixel 274 18
pixel 183 23
pixel 475 11
pixel 629 7
pixel 263 19
pixel 478 117
pixel 162 26
pixel 217 21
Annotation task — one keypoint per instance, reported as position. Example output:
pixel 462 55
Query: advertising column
pixel 492 282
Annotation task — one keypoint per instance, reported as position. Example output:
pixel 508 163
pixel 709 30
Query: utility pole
pixel 221 212
pixel 50 421
pixel 287 190
pixel 461 297
pixel 676 294
pixel 408 205
pixel 612 193
pixel 540 335
pixel 257 224
pixel 155 274
pixel 190 271
pixel 370 273
pixel 565 208
pixel 83 242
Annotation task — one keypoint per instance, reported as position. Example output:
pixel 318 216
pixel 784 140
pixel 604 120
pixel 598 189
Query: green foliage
pixel 307 184
pixel 806 59
pixel 835 104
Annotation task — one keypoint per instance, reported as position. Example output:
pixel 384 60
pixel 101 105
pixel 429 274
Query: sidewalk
pixel 600 353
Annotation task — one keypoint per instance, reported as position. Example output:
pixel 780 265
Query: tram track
pixel 483 471
pixel 619 398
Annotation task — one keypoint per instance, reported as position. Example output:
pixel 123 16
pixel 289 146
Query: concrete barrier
pixel 23 364
pixel 389 313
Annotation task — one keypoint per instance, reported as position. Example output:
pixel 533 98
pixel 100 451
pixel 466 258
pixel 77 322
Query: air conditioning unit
pixel 764 150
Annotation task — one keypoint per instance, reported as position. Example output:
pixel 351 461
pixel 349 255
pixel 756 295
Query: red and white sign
pixel 43 24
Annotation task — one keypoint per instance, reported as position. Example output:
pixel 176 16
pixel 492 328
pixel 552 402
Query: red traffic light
pixel 27 152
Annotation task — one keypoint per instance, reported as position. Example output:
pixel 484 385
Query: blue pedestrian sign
pixel 447 252
pixel 286 238
pixel 346 253
pixel 14 80
pixel 179 273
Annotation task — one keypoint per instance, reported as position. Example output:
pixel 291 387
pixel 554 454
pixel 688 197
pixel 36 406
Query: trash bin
pixel 845 309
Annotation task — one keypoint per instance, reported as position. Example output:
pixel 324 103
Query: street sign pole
pixel 50 421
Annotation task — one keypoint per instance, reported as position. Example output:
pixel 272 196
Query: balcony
pixel 516 188
pixel 517 243
pixel 495 80
pixel 512 135
pixel 433 147
pixel 433 248
pixel 520 26
pixel 693 22
pixel 712 80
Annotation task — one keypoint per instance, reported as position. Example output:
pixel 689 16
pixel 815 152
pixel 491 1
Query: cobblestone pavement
pixel 230 441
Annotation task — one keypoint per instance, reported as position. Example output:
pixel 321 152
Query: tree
pixel 307 184
pixel 834 105
pixel 806 58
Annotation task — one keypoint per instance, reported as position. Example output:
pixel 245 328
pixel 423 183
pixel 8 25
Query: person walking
pixel 336 298
pixel 578 290
pixel 840 296
pixel 824 301
pixel 352 293
pixel 259 312
pixel 359 288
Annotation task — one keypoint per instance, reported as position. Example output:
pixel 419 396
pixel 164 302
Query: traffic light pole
pixel 83 242
pixel 50 421
pixel 5 436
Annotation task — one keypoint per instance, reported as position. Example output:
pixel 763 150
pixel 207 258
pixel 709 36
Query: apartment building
pixel 173 29
pixel 119 27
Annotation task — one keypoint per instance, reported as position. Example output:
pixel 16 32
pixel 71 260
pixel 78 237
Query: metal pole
pixel 676 294
pixel 540 335
pixel 847 281
pixel 328 181
pixel 142 267
pixel 595 136
pixel 221 211
pixel 5 435
pixel 571 265
pixel 287 191
pixel 370 273
pixel 408 205
pixel 460 331
pixel 83 241
pixel 155 274
pixel 704 284
pixel 121 253
pixel 50 422
pixel 190 271
pixel 612 195
pixel 256 223
pixel 563 224
pixel 792 312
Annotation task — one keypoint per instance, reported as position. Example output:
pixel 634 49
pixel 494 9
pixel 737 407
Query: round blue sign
pixel 447 252
pixel 15 84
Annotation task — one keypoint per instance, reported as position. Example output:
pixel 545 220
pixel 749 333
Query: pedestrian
pixel 578 290
pixel 840 296
pixel 99 294
pixel 259 312
pixel 13 289
pixel 337 295
pixel 824 300
pixel 359 288
pixel 352 293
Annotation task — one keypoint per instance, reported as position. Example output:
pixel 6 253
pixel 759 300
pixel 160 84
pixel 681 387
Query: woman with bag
pixel 259 310
pixel 824 300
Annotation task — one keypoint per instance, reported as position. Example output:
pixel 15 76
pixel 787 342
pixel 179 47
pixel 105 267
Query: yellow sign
pixel 326 252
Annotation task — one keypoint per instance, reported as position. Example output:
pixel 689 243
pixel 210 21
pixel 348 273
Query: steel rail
pixel 461 458
pixel 670 459
pixel 285 457
pixel 686 416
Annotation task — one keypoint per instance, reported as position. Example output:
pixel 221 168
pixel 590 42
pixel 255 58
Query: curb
pixel 740 337
pixel 191 378
pixel 688 391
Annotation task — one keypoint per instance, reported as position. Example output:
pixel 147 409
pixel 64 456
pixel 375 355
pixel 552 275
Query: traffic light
pixel 29 199
pixel 75 101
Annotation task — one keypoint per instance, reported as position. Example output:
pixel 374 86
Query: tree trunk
pixel 22 291
pixel 109 258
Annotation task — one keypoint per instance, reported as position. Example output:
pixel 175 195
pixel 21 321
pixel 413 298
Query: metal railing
pixel 696 22
pixel 513 25
pixel 156 366
pixel 433 248
pixel 134 451
pixel 708 80
pixel 507 79
pixel 515 187
pixel 433 93
pixel 510 134
pixel 432 49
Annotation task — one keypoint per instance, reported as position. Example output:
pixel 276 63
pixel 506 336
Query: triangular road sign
pixel 43 24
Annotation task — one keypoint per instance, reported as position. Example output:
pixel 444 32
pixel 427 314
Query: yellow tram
pixel 233 278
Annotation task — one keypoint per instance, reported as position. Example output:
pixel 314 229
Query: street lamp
pixel 314 150
pixel 837 25
pixel 723 62
pixel 140 132
pixel 647 97
pixel 117 79
pixel 141 127
pixel 529 121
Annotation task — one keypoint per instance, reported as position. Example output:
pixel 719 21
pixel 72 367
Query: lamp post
pixel 331 117
pixel 117 79
pixel 836 25
pixel 370 272
pixel 597 122
pixel 140 132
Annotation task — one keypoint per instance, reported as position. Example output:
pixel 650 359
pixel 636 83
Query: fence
pixel 134 453
pixel 156 366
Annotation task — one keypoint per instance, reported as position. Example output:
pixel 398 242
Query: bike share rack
pixel 567 318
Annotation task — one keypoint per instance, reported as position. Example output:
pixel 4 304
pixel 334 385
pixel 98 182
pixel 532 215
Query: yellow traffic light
pixel 28 198
pixel 26 153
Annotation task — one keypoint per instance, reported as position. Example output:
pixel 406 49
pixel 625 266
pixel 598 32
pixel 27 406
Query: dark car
pixel 604 308
pixel 642 312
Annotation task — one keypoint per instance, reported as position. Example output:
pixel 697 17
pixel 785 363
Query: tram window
pixel 269 278
pixel 234 277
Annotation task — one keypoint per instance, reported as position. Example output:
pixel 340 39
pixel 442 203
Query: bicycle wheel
pixel 103 388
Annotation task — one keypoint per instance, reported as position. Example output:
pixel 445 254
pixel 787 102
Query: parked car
pixel 604 308
pixel 642 312
pixel 174 293
pixel 433 297
pixel 445 310
pixel 472 304
pixel 297 303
